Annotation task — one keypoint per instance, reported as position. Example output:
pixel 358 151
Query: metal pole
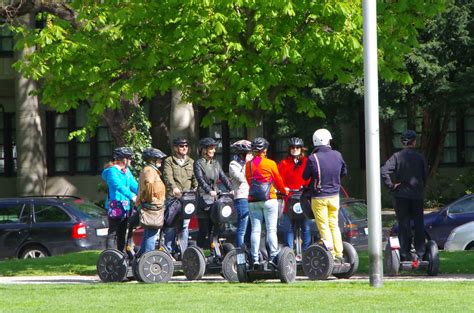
pixel 372 147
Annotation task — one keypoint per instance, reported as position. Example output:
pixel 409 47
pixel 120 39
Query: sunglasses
pixel 183 146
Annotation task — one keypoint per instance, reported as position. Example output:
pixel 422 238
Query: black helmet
pixel 242 146
pixel 207 142
pixel 259 144
pixel 295 142
pixel 407 137
pixel 180 141
pixel 152 153
pixel 122 153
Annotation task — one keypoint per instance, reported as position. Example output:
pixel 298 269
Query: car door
pixel 15 225
pixel 52 227
pixel 458 213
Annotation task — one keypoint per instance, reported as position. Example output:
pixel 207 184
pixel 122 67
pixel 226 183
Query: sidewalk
pixel 18 280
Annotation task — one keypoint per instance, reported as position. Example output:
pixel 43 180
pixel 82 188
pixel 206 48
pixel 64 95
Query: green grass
pixel 84 263
pixel 341 296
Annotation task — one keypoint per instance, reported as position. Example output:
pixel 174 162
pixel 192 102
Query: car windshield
pixel 356 210
pixel 88 208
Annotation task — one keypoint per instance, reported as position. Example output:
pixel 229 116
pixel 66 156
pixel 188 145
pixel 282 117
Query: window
pixel 7 144
pixel 14 214
pixel 50 213
pixel 71 156
pixel 6 41
pixel 468 137
pixel 463 206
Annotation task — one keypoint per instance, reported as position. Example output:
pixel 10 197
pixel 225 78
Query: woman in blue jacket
pixel 122 190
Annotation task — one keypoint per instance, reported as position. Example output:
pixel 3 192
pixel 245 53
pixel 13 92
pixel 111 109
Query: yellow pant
pixel 326 212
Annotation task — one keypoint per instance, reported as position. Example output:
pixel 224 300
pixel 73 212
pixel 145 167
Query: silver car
pixel 461 238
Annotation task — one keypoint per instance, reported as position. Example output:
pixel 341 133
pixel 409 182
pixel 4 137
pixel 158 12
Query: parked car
pixel 439 224
pixel 33 227
pixel 461 238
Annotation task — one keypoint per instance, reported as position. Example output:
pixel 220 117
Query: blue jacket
pixel 121 185
pixel 332 168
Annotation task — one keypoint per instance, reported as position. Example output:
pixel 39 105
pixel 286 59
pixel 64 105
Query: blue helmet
pixel 259 144
pixel 122 153
pixel 152 154
pixel 407 137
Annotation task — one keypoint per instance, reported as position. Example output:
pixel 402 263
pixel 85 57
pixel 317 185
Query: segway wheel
pixel 155 267
pixel 432 256
pixel 194 263
pixel 317 262
pixel 227 247
pixel 350 256
pixel 112 266
pixel 287 265
pixel 391 261
pixel 229 266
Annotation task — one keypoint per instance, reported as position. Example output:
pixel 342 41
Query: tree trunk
pixel 117 120
pixel 160 114
pixel 30 136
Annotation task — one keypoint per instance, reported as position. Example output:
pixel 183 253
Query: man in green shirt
pixel 178 176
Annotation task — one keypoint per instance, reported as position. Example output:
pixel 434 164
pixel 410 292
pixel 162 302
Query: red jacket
pixel 292 174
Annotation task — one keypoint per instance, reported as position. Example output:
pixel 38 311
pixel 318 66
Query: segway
pixel 285 269
pixel 393 264
pixel 296 216
pixel 195 264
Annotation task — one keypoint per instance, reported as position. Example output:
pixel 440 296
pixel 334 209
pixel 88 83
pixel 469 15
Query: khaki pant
pixel 326 212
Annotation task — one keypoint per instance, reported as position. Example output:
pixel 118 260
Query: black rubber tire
pixel 33 252
pixel 287 265
pixel 432 256
pixel 194 263
pixel 350 256
pixel 226 248
pixel 229 266
pixel 391 261
pixel 112 266
pixel 155 267
pixel 317 262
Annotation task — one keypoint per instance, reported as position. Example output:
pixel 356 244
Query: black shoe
pixel 256 266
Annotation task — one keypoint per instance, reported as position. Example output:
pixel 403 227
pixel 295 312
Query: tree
pixel 237 58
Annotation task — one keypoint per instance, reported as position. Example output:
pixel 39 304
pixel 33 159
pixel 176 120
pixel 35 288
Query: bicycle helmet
pixel 180 141
pixel 122 153
pixel 295 142
pixel 407 137
pixel 207 142
pixel 242 146
pixel 321 137
pixel 152 154
pixel 259 144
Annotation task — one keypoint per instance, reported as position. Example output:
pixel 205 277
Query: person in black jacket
pixel 208 173
pixel 410 171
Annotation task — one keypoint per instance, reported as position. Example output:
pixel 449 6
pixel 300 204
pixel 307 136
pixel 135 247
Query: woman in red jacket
pixel 291 170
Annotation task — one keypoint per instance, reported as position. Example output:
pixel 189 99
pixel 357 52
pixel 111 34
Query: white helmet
pixel 321 137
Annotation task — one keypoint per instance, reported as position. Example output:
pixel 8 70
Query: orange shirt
pixel 265 170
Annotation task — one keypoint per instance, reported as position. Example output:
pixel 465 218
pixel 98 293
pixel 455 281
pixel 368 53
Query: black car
pixel 33 227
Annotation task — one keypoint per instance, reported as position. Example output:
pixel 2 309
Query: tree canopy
pixel 238 58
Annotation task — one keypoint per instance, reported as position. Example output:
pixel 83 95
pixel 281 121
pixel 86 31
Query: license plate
pixel 101 231
pixel 241 258
pixel 366 230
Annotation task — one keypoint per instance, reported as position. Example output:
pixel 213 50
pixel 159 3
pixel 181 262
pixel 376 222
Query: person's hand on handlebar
pixel 213 193
pixel 176 192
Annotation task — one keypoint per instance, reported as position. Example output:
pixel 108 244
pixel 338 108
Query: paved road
pixel 215 279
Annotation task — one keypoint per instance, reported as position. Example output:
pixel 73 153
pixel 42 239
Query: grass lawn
pixel 84 263
pixel 303 296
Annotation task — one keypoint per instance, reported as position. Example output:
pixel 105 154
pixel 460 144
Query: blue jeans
pixel 289 233
pixel 149 240
pixel 242 235
pixel 264 211
pixel 170 237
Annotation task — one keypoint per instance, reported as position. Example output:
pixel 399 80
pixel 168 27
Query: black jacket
pixel 409 168
pixel 206 184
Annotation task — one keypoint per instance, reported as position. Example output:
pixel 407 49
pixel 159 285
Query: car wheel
pixel 33 252
pixel 287 265
pixel 350 256
pixel 317 262
pixel 229 266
